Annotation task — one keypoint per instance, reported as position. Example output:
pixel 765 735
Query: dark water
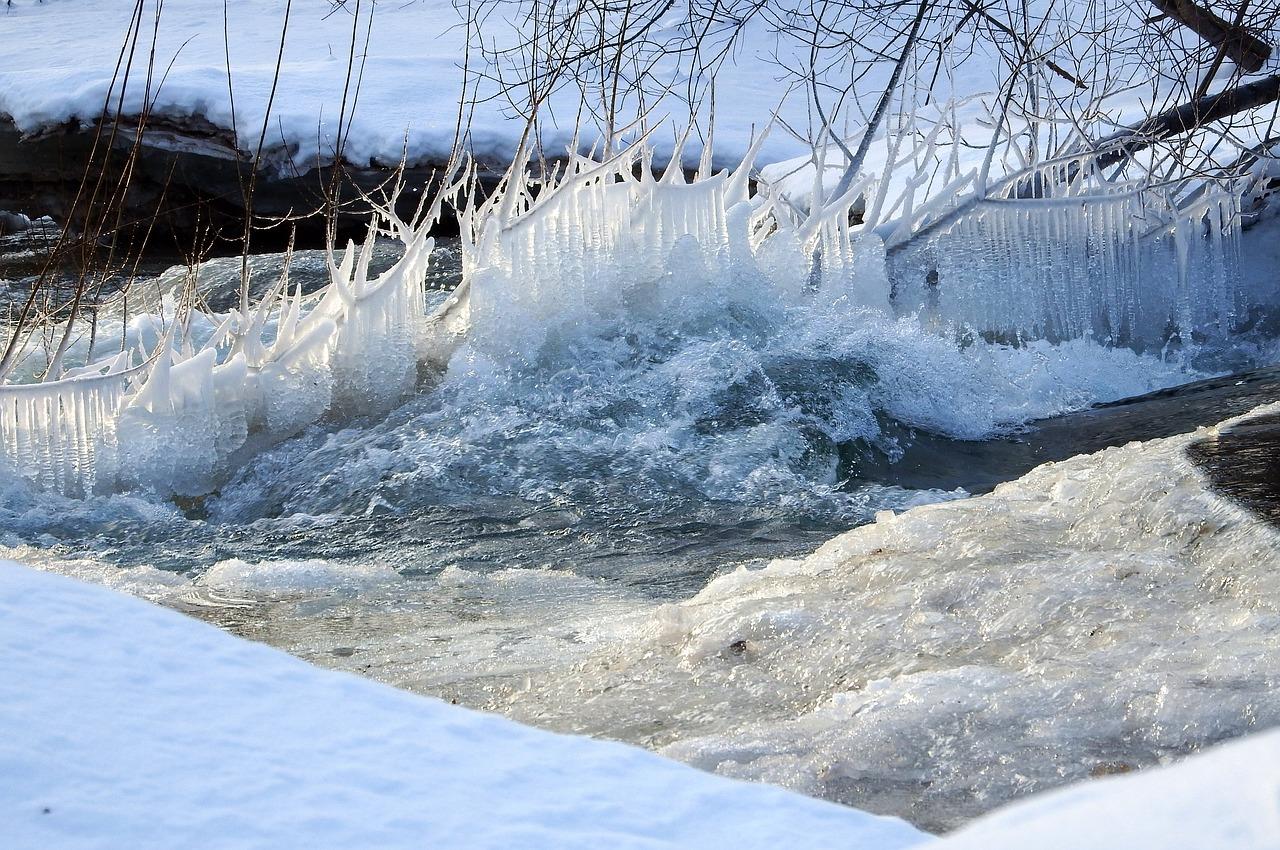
pixel 1243 463
pixel 932 461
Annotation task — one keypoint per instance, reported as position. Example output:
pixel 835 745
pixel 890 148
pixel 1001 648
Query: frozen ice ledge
pixel 1124 264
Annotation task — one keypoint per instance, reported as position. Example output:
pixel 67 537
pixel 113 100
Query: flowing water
pixel 511 516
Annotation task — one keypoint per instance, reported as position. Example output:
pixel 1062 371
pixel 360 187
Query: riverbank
pixel 129 725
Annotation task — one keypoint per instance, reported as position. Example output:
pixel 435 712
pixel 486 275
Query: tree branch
pixel 1187 117
pixel 1241 46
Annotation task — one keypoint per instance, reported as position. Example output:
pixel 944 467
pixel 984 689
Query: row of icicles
pixel 1079 257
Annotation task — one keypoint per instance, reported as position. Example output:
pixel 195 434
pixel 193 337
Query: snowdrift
pixel 130 725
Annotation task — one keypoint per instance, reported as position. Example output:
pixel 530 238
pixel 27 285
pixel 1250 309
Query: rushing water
pixel 644 449
pixel 511 515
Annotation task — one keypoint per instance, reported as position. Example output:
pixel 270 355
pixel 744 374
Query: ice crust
pixel 1099 615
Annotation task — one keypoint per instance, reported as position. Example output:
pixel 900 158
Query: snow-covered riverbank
pixel 128 725
pixel 410 80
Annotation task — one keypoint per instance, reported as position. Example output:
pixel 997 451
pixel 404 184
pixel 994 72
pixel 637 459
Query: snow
pixel 80 44
pixel 1228 797
pixel 125 724
pixel 412 79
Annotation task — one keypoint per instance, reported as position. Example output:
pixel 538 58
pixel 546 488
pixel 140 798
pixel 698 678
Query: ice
pixel 1101 614
pixel 274 579
pixel 63 435
pixel 176 407
pixel 1122 262
pixel 553 267
pixel 219 386
pixel 613 326
pixel 1053 251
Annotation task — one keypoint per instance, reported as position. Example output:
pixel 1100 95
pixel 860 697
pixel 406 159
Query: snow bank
pixel 412 79
pixel 408 96
pixel 1098 615
pixel 128 725
pixel 1227 798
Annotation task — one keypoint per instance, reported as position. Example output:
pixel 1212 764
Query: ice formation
pixel 63 435
pixel 1054 252
pixel 178 422
pixel 1099 615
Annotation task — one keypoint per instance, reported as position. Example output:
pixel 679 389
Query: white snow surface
pixel 411 78
pixel 409 92
pixel 1226 798
pixel 125 724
